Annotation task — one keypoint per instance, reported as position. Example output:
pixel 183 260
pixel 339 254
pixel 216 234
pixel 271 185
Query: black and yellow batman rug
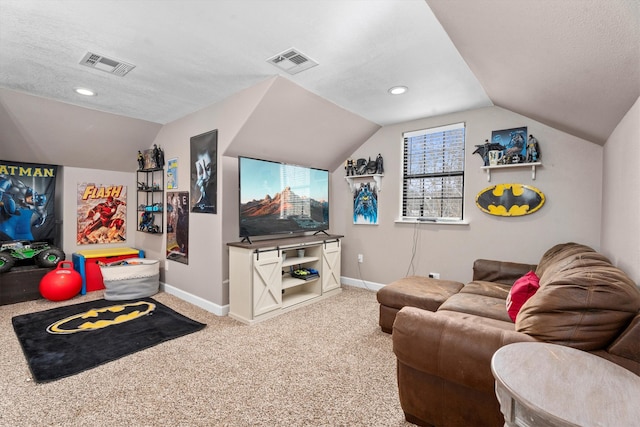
pixel 67 340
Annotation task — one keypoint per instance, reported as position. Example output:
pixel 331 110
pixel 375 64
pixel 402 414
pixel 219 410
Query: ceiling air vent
pixel 292 61
pixel 111 66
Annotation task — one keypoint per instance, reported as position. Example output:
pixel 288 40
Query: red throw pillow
pixel 520 292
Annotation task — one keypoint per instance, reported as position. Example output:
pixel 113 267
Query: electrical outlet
pixel 434 275
pixel 360 258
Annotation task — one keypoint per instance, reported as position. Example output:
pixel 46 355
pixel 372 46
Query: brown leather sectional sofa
pixel 444 356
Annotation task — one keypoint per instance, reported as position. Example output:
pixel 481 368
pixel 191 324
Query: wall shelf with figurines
pixel 508 149
pixel 150 191
pixel 364 170
pixel 515 165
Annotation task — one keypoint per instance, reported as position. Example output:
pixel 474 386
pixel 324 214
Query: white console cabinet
pixel 261 275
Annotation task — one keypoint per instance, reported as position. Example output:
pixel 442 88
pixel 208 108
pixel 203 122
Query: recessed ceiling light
pixel 398 90
pixel 84 91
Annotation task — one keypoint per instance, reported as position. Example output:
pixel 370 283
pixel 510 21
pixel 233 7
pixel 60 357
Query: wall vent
pixel 111 66
pixel 292 61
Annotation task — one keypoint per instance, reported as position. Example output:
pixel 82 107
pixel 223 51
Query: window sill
pixel 431 221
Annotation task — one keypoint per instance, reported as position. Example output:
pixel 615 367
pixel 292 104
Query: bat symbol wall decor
pixel 510 200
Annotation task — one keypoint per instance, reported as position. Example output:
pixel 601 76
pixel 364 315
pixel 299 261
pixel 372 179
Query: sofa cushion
pixel 583 301
pixel 499 271
pixel 479 320
pixel 489 289
pixel 417 291
pixel 558 256
pixel 520 292
pixel 627 345
pixel 478 305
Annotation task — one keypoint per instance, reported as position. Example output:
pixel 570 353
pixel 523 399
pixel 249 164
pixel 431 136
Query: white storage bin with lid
pixel 131 278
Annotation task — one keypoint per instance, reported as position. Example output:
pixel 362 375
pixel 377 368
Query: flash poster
pixel 178 226
pixel 27 194
pixel 102 214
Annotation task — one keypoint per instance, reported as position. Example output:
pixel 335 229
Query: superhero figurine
pixel 379 164
pixel 533 150
pixel 140 160
pixel 350 168
pixel 158 156
pixel 483 150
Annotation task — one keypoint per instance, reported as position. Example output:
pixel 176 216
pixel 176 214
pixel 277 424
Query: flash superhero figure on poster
pixel 102 215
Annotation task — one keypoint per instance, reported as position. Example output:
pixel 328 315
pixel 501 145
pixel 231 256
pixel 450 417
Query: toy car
pixel 156 207
pixel 45 255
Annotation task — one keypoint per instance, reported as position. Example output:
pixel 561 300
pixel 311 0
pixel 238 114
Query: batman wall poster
pixel 27 194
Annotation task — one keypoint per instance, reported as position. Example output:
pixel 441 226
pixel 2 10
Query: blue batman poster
pixel 27 193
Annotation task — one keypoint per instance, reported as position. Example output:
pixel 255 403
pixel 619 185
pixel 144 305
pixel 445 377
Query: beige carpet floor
pixel 326 364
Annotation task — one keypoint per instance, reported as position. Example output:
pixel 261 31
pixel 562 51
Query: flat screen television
pixel 279 198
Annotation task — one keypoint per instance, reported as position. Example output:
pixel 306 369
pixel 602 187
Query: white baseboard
pixel 371 286
pixel 218 310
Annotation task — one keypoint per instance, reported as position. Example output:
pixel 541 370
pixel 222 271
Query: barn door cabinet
pixel 265 276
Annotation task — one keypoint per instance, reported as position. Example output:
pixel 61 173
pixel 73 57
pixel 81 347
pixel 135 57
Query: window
pixel 433 173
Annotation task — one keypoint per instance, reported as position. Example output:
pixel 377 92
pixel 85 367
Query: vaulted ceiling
pixel 574 65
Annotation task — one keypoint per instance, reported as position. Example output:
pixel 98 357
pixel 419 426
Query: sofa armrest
pixel 500 271
pixel 449 347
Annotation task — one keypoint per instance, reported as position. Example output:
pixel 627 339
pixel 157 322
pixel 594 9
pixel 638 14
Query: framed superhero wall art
pixel 178 226
pixel 365 203
pixel 172 174
pixel 101 213
pixel 513 143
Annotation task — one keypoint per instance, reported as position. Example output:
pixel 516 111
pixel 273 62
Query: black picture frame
pixel 204 172
pixel 178 226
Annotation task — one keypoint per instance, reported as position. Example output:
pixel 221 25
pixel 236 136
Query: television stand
pixel 265 277
pixel 320 231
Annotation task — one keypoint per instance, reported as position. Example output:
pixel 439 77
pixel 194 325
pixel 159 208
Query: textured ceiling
pixel 572 64
pixel 190 54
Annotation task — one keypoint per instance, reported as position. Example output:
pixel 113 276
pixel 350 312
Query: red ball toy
pixel 61 284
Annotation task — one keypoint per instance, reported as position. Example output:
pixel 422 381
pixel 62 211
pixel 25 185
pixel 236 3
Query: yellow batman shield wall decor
pixel 510 200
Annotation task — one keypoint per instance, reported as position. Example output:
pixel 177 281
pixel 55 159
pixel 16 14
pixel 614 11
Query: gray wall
pixel 571 179
pixel 621 195
pixel 203 280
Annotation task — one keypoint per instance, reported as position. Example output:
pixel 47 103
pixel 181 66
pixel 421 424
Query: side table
pixel 541 384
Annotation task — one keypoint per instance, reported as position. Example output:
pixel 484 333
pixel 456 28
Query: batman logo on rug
pixel 510 200
pixel 100 318
pixel 58 352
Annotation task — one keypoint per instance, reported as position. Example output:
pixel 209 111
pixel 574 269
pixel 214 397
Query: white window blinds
pixel 433 173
